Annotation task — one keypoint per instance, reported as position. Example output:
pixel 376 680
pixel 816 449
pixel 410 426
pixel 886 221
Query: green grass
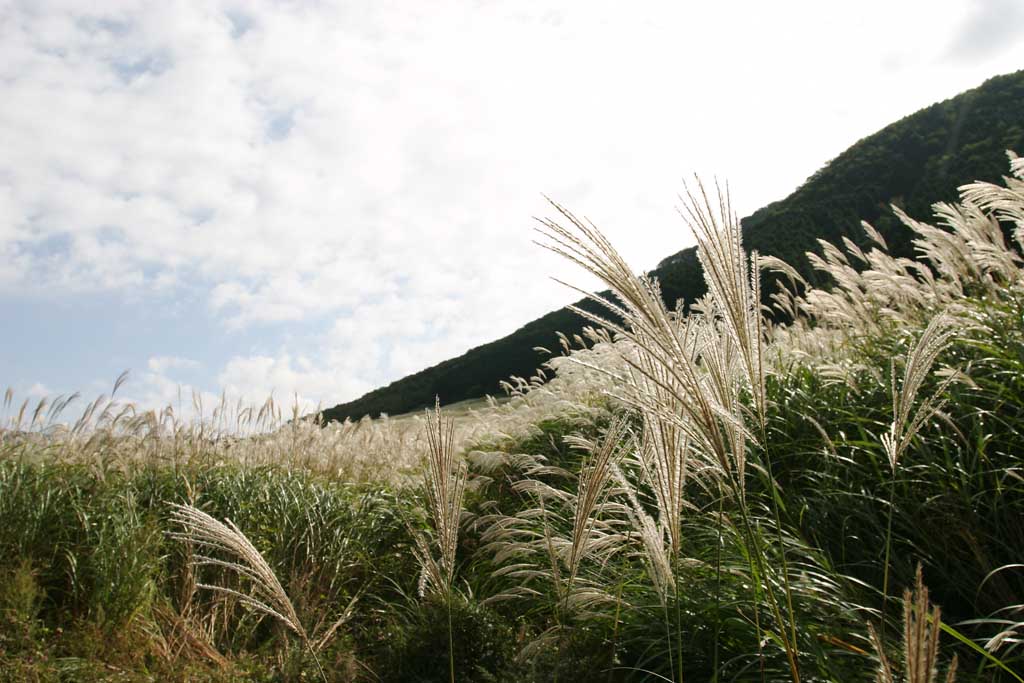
pixel 567 566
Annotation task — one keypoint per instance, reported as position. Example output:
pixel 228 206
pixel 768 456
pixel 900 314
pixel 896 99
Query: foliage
pixel 484 643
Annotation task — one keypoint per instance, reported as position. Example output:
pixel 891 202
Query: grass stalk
pixel 618 610
pixel 792 651
pixel 886 561
pixel 668 636
pixel 446 485
pixel 716 658
pixel 756 551
pixel 679 619
pixel 451 642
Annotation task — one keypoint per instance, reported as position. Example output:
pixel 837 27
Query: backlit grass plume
pixel 222 544
pixel 733 282
pixel 667 377
pixel 446 487
pixel 686 374
pixel 592 491
pixel 907 422
pixel 922 624
pixel 563 533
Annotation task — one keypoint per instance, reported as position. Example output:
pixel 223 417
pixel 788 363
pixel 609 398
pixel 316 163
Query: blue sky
pixel 316 198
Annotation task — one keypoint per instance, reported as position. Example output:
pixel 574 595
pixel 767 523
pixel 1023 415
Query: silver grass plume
pixel 552 540
pixel 446 487
pixel 212 537
pixel 922 624
pixel 1006 203
pixel 592 491
pixel 920 358
pixel 668 378
pixel 733 281
pixel 652 541
pixel 965 251
pixel 664 457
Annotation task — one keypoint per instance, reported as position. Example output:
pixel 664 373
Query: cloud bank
pixel 344 191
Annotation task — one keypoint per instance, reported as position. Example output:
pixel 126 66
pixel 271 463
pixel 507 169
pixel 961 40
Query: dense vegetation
pixel 918 160
pixel 707 497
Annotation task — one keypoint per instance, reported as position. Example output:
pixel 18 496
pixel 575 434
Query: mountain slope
pixel 911 163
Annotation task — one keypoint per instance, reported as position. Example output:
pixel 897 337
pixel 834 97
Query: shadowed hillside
pixel 911 163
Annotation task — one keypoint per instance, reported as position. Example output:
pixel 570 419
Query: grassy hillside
pixel 912 163
pixel 710 497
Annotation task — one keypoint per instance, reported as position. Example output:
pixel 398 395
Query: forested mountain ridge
pixel 912 163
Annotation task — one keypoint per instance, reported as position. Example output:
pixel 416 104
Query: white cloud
pixel 287 379
pixel 371 168
pixel 165 383
pixel 989 27
pixel 161 364
pixel 38 390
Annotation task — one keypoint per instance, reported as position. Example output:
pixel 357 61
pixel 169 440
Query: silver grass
pixel 786 297
pixel 446 487
pixel 543 544
pixel 1007 203
pixel 920 358
pixel 120 435
pixel 688 373
pixel 1011 634
pixel 667 374
pixel 922 625
pixel 592 490
pixel 211 537
pixel 965 251
pixel 551 540
pixel 665 452
pixel 734 282
pixel 652 542
pixel 549 544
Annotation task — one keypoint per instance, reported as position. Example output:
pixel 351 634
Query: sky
pixel 312 199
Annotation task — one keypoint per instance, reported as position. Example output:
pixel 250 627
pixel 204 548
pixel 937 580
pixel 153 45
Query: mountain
pixel 912 163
